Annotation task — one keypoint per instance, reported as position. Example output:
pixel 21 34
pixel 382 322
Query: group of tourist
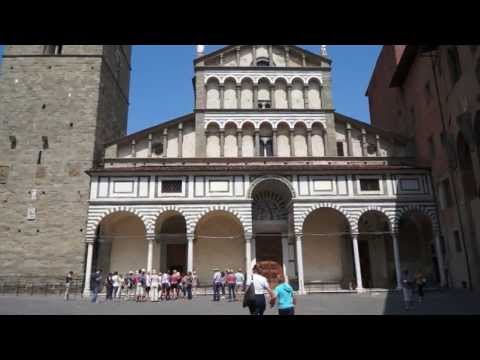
pixel 228 279
pixel 145 285
pixel 409 284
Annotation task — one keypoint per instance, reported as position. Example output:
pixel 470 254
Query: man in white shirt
pixel 261 286
pixel 217 284
pixel 240 279
pixel 116 285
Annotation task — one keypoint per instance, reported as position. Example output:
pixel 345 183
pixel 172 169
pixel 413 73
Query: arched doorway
pixel 272 224
pixel 327 251
pixel 219 243
pixel 416 246
pixel 121 244
pixel 375 245
pixel 170 230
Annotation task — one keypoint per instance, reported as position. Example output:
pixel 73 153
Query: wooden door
pixel 269 257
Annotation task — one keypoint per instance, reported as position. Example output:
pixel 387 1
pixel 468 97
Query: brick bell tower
pixel 58 105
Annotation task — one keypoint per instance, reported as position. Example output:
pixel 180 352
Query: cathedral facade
pixel 264 171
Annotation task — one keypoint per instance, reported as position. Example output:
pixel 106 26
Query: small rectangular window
pixel 13 142
pixel 369 185
pixel 340 149
pixel 45 142
pixel 171 186
pixel 458 243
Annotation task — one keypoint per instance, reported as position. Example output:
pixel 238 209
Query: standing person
pixel 224 276
pixel 97 284
pixel 173 285
pixel 109 285
pixel 148 284
pixel 240 280
pixel 183 283
pixel 231 283
pixel 194 283
pixel 154 283
pixel 68 284
pixel 121 283
pixel 116 284
pixel 285 297
pixel 188 285
pixel 407 288
pixel 130 283
pixel 260 284
pixel 165 287
pixel 138 286
pixel 420 281
pixel 217 284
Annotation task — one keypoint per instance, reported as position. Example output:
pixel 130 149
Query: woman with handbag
pixel 255 294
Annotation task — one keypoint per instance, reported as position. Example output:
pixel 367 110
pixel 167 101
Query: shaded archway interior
pixel 171 242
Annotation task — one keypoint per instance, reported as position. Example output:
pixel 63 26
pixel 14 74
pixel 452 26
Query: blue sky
pixel 161 83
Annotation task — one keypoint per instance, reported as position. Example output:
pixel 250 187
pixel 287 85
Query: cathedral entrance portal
pixel 271 223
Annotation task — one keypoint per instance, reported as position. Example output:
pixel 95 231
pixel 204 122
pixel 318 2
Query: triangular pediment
pixel 263 55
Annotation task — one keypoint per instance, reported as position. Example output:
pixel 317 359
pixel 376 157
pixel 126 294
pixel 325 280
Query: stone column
pixel 349 140
pixel 396 257
pixel 239 143
pixel 248 255
pixel 190 238
pixel 356 259
pixel 292 142
pixel 272 96
pixel 222 143
pixel 133 150
pixel 305 97
pixel 254 55
pixel 309 142
pixel 364 142
pixel 150 239
pixel 377 141
pixel 255 96
pixel 441 263
pixel 257 142
pixel 150 136
pixel 275 142
pixel 299 246
pixel 165 142
pixel 270 55
pixel 287 56
pixel 88 267
pixel 238 55
pixel 285 257
pixel 180 140
pixel 222 95
pixel 238 93
pixel 289 96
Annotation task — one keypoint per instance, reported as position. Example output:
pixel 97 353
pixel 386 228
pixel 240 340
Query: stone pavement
pixel 447 302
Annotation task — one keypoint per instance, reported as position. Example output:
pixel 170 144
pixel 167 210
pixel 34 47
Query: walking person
pixel 116 285
pixel 240 281
pixel 224 277
pixel 139 284
pixel 68 284
pixel 154 283
pixel 231 283
pixel 97 284
pixel 260 284
pixel 407 288
pixel 285 297
pixel 188 285
pixel 420 281
pixel 217 284
pixel 165 287
pixel 148 284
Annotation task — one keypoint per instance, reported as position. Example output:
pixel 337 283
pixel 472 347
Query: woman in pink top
pixel 174 285
pixel 231 282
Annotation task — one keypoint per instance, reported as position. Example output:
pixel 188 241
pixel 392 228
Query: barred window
pixel 171 186
pixel 369 185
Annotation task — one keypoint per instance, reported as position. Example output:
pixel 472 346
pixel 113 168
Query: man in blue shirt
pixel 285 297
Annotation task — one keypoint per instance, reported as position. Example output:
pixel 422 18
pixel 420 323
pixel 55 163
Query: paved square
pixel 449 302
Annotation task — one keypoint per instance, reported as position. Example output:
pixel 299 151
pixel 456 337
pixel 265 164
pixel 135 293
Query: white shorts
pixel 139 291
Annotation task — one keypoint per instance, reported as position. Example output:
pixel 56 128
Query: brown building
pixel 432 96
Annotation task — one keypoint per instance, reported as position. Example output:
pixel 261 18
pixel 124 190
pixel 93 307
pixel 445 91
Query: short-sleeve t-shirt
pixel 116 282
pixel 261 284
pixel 231 279
pixel 239 277
pixel 284 294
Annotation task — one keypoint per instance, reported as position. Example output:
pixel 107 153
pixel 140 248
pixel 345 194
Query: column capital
pixel 165 131
pixel 349 127
pixel 190 237
pixel 90 239
pixel 180 126
pixel 150 236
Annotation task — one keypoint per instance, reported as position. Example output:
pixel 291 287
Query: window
pixel 458 243
pixel 264 104
pixel 171 186
pixel 266 147
pixel 431 146
pixel 446 195
pixel 454 64
pixel 13 142
pixel 263 61
pixel 45 142
pixel 52 49
pixel 369 185
pixel 371 149
pixel 340 149
pixel 157 148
